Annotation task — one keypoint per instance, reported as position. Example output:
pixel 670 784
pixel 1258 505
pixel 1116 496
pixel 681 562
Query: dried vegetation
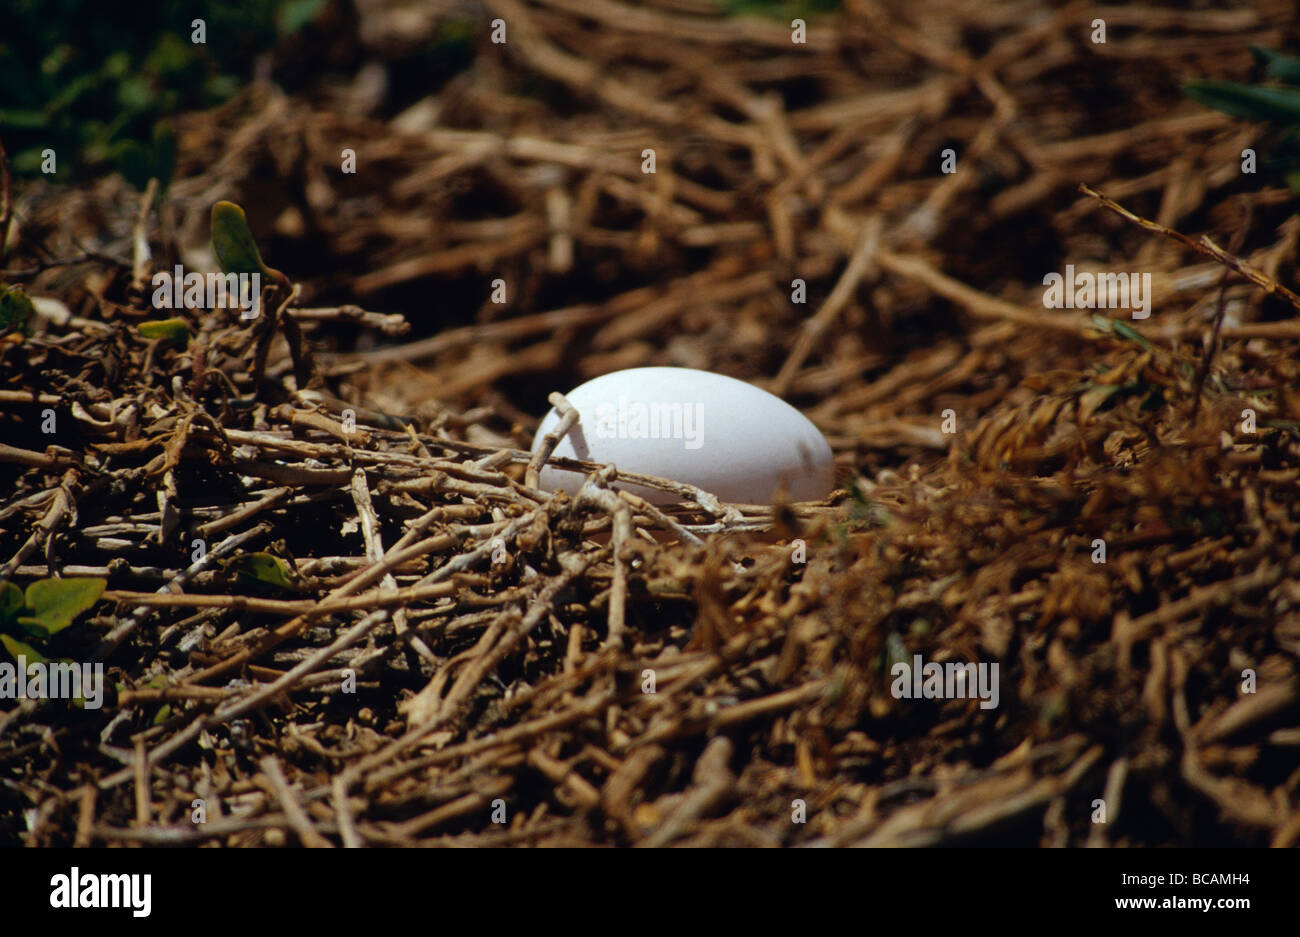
pixel 500 637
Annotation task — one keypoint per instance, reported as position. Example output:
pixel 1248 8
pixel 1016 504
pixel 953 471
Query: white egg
pixel 720 434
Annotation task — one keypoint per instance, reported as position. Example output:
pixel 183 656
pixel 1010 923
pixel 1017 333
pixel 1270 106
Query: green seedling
pixel 48 607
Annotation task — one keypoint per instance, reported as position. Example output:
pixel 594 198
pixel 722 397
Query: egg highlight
pixel 717 433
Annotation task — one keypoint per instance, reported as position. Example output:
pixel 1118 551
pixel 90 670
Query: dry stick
pixel 85 816
pixel 229 545
pixel 568 417
pixel 1204 247
pixel 255 700
pixel 392 560
pixel 375 552
pixel 43 460
pixel 980 304
pixel 382 598
pixel 390 323
pixel 1127 631
pixel 522 327
pixel 347 826
pixel 473 802
pixel 582 75
pixel 859 265
pixel 518 456
pixel 64 499
pixel 689 29
pixel 621 513
pixel 29 396
pixel 644 506
pixel 271 499
pixel 471 676
pixel 304 365
pixel 1221 308
pixel 712 781
pixel 140 239
pixel 189 834
pixel 268 335
pixel 127 698
pixel 330 680
pixel 491 533
pixel 294 814
pixel 366 767
pixel 1112 796
pixel 294 474
pixel 139 771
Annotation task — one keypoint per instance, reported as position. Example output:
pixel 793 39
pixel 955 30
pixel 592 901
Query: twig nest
pixel 725 436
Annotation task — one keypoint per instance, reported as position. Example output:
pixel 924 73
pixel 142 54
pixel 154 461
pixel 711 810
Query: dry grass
pixel 501 637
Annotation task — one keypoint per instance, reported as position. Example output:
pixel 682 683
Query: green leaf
pixel 54 603
pixel 1119 327
pixel 233 243
pixel 1282 67
pixel 1126 330
pixel 132 160
pixel 32 628
pixel 14 118
pixel 1246 102
pixel 164 153
pixel 295 14
pixel 11 600
pixel 175 331
pixel 164 713
pixel 262 569
pixel 16 649
pixel 16 310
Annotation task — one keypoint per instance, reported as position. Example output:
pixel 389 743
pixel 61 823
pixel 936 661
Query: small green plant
pixel 169 330
pixel 16 310
pixel 95 82
pixel 233 243
pixel 46 608
pixel 237 253
pixel 262 572
pixel 1277 105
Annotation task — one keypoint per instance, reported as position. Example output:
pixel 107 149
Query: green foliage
pixel 233 242
pixel 95 81
pixel 780 9
pixel 1284 68
pixel 11 601
pixel 1246 101
pixel 53 603
pixel 16 310
pixel 17 649
pixel 170 330
pixel 261 571
pixel 1277 106
pixel 1121 328
pixel 48 607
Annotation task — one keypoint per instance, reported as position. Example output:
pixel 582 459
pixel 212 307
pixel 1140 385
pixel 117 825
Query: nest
pixel 337 613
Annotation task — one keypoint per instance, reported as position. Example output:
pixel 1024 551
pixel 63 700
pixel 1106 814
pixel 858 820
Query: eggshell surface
pixel 720 434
